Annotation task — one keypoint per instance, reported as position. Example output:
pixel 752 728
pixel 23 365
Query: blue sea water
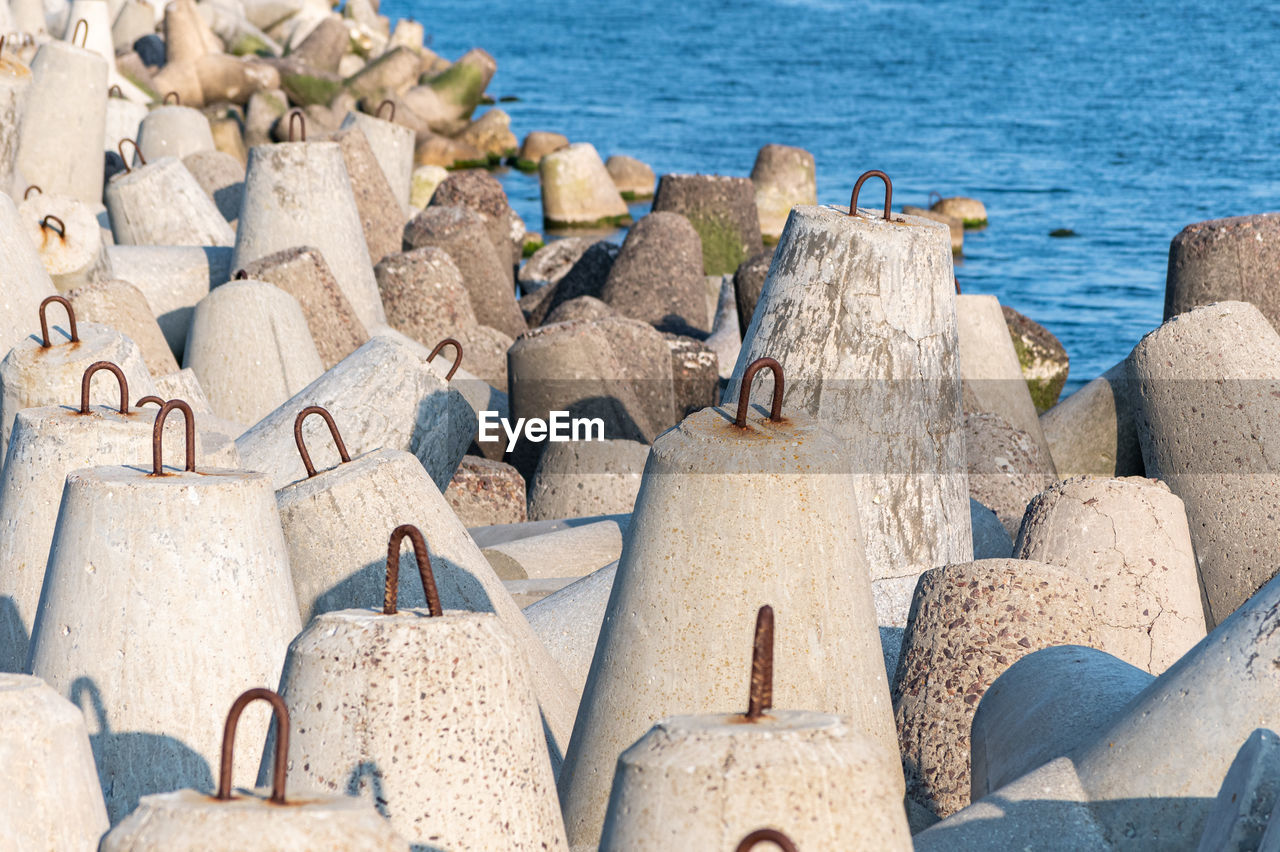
pixel 1123 121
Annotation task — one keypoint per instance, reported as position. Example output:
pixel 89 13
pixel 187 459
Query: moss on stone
pixel 974 224
pixel 1062 232
pixel 630 195
pixel 249 44
pixel 531 246
pixel 606 222
pixel 460 84
pixel 722 249
pixel 305 89
pixel 768 240
pixel 523 165
pixel 1044 392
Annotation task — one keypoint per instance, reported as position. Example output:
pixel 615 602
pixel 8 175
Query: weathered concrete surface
pixel 193 821
pixel 1242 813
pixel 60 148
pixel 552 262
pixel 392 145
pixel 1092 432
pixel 784 177
pixel 861 314
pixel 711 488
pixel 568 620
pixel 381 212
pixel 575 479
pixel 484 492
pixel 1043 358
pixel 1205 386
pixel 990 539
pixel 1006 467
pixel 221 176
pixel 24 282
pixel 1221 260
pixel 657 277
pixel 383 395
pixel 452 761
pixel 1128 539
pixel 968 624
pixel 705 782
pixel 480 192
pixel 75 257
pixel 577 190
pixel 748 282
pixel 971 211
pixel 15 80
pixel 336 526
pixel 1042 707
pixel 51 797
pixel 216 531
pixel 173 279
pixel 251 349
pixel 119 305
pixel 723 212
pixel 298 194
pixel 174 131
pixel 574 552
pixel 142 204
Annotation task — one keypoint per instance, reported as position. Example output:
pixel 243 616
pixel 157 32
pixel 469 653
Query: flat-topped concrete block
pixel 971 211
pixel 143 202
pixel 484 492
pixel 1043 358
pixel 633 178
pixel 60 147
pixel 577 191
pixel 174 131
pixel 1223 260
pixel 587 478
pixel 723 212
pixel 784 177
pixel 585 277
pixel 657 277
pixel 969 623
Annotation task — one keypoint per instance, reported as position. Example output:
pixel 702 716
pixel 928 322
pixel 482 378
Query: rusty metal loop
pixel 157 435
pixel 88 377
pixel 932 195
pixel 302 124
pixel 114 91
pixel 146 400
pixel 857 187
pixel 770 835
pixel 44 320
pixel 761 697
pixel 457 358
pixel 744 392
pixel 62 226
pixel 388 102
pixel 75 32
pixel 423 559
pixel 240 275
pixel 302 445
pixel 279 764
pixel 136 151
pixel 27 194
pixel 177 99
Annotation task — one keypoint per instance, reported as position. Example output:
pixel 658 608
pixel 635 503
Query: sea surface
pixel 1122 121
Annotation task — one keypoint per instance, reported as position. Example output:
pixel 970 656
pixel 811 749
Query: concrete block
pixel 748 282
pixel 1006 467
pixel 695 373
pixel 585 277
pixel 990 539
pixel 784 177
pixel 60 147
pixel 587 478
pixel 577 190
pixel 161 203
pixel 1043 358
pixel 1225 260
pixel 725 340
pixel 657 277
pixel 120 305
pixel 568 620
pixel 381 215
pixel 24 282
pixel 574 552
pixel 221 176
pixel 723 212
pixel 861 314
pixel 1092 432
pixel 484 492
pixel 552 262
pixel 971 211
pixel 173 279
pixel 68 237
pixel 251 349
pixel 15 80
pixel 174 131
pixel 480 192
pixel 1128 539
pixel 633 178
pixel 392 146
pixel 492 534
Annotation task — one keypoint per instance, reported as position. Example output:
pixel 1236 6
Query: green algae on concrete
pixel 1041 356
pixel 306 89
pixel 722 248
pixel 461 84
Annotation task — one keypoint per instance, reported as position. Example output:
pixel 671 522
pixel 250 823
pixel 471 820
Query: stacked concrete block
pixel 142 202
pixel 784 177
pixel 173 279
pixel 24 282
pixel 723 212
pixel 1224 260
pixel 120 305
pixel 60 146
pixel 587 478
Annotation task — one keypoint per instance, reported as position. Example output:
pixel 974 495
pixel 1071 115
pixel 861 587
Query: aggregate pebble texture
pixel 969 623
pixel 433 720
pixel 480 192
pixel 1221 260
pixel 1207 389
pixel 485 492
pixel 381 212
pixel 1129 540
pixel 120 305
pixel 1006 467
pixel 657 277
pixel 705 782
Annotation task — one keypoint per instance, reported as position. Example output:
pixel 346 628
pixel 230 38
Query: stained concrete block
pixel 484 492
pixel 381 213
pixel 69 241
pixel 784 177
pixel 657 277
pixel 174 131
pixel 577 190
pixel 60 144
pixel 723 212
pixel 392 145
pixel 24 282
pixel 1006 467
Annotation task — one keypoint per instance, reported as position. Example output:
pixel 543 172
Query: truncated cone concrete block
pixel 1042 707
pixel 162 204
pixel 1099 795
pixel 567 622
pixel 392 145
pixel 574 552
pixel 481 193
pixel 748 281
pixel 1006 467
pixel 446 737
pixel 585 277
pixel 723 212
pixel 705 782
pixel 221 176
pixel 1205 386
pixel 70 242
pixel 633 178
pixel 31 375
pixel 993 382
pixel 335 523
pixel 581 478
pixel 577 190
pixel 954 225
pixel 120 305
pixel 15 80
pixel 1092 432
pixel 681 609
pixel 24 282
pixel 298 194
pixel 302 273
pixel 861 314
pixel 969 623
pixel 51 797
pixel 194 821
pixel 174 131
pixel 484 492
pixel 251 349
pixel 60 149
pixel 552 262
pixel 657 277
pixel 1242 812
pixel 388 396
pixel 1128 539
pixel 784 177
pixel 1223 260
pixel 173 279
pixel 971 211
pixel 381 214
pixel 152 668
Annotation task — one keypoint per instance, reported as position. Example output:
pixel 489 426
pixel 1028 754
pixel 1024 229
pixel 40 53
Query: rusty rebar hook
pixel 761 696
pixel 302 124
pixel 88 377
pixel 76 32
pixel 146 400
pixel 457 358
pixel 423 558
pixel 177 99
pixel 114 91
pixel 279 761
pixel 240 275
pixel 932 195
pixel 157 436
pixel 27 194
pixel 763 835
pixel 62 226
pixel 44 320
pixel 302 445
pixel 388 102
pixel 137 152
pixel 857 188
pixel 744 392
